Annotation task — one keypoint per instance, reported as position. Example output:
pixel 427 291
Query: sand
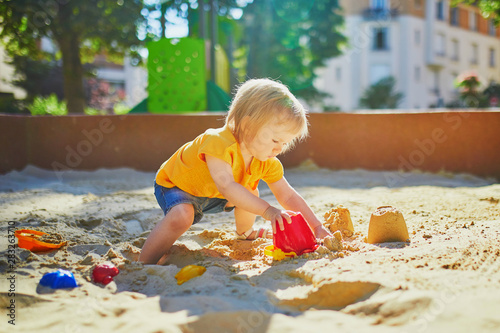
pixel 447 278
pixel 387 224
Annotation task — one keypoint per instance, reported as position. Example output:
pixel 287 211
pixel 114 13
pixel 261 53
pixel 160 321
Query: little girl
pixel 220 170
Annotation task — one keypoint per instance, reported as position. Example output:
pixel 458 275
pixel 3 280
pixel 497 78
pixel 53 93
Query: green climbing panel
pixel 176 76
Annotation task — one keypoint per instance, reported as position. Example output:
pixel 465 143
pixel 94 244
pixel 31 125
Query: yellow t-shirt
pixel 187 168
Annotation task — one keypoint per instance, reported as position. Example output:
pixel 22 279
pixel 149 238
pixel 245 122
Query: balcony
pixel 380 14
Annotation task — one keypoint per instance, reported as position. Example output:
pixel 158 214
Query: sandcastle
pixel 334 242
pixel 339 219
pixel 387 224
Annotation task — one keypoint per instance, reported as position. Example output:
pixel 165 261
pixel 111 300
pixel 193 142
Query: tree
pixel 468 84
pixel 381 95
pixel 489 8
pixel 37 77
pixel 281 39
pixel 289 39
pixel 156 12
pixel 80 29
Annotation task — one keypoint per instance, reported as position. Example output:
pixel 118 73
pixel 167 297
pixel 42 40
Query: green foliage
pixel 289 40
pixel 9 104
pixel 381 95
pixel 48 106
pixel 331 108
pixel 489 8
pixel 492 91
pixel 156 23
pixel 94 112
pixel 470 95
pixel 280 39
pixel 100 25
pixel 121 108
pixel 118 108
pixel 81 29
pixel 37 77
pixel 468 85
pixel 227 26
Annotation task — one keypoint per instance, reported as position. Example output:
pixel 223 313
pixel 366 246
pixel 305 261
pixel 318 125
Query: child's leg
pixel 166 232
pixel 245 220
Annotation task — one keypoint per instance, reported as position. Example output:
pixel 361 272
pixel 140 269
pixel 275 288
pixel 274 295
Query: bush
pixel 120 108
pixel 37 77
pixel 48 106
pixel 381 95
pixel 9 104
pixel 94 112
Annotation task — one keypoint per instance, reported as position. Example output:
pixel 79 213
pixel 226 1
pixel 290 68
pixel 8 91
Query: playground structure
pixel 184 77
pixel 177 77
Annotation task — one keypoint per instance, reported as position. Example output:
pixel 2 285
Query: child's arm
pixel 291 200
pixel 238 195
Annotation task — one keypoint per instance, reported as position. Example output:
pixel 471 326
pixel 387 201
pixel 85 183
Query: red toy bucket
pixel 296 237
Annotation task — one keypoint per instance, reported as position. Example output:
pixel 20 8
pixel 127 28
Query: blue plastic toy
pixel 59 279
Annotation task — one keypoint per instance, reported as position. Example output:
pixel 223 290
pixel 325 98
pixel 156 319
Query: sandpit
pixel 446 278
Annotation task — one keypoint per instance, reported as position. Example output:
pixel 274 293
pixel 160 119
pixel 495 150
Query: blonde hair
pixel 261 101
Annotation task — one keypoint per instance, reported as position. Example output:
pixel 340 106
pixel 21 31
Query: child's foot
pixel 254 234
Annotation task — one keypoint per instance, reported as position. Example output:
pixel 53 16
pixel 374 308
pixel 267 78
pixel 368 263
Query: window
pixel 378 72
pixel 440 45
pixel 418 4
pixel 417 73
pixel 492 29
pixel 473 21
pixel 492 57
pixel 454 12
pixel 440 10
pixel 435 75
pixel 338 73
pixel 417 37
pixel 475 53
pixel 379 4
pixel 454 50
pixel 380 38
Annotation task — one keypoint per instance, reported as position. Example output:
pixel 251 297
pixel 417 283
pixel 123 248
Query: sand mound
pixel 339 219
pixel 392 308
pixel 387 224
pixel 333 296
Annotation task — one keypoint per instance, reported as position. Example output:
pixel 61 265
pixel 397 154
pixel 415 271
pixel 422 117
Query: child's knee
pixel 182 216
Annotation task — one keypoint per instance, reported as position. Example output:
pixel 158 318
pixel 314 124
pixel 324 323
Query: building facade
pixel 6 74
pixel 424 44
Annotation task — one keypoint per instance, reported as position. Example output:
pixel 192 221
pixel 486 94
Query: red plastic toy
pixel 104 273
pixel 296 237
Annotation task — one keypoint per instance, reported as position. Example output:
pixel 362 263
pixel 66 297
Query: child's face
pixel 269 141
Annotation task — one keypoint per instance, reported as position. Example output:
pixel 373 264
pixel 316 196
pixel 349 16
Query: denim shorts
pixel 169 197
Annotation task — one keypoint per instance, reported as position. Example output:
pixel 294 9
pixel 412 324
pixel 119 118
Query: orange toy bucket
pixel 29 240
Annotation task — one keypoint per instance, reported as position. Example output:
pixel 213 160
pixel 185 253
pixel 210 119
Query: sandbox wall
pixel 454 141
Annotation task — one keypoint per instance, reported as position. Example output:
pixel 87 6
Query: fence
pixel 454 141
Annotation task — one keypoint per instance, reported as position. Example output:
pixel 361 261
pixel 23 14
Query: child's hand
pixel 275 215
pixel 320 232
